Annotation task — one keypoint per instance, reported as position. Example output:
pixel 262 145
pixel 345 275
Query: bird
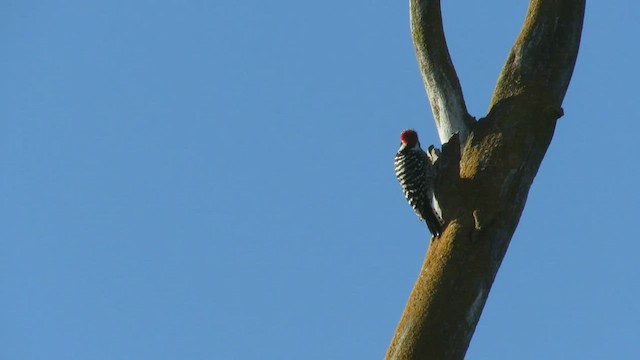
pixel 417 173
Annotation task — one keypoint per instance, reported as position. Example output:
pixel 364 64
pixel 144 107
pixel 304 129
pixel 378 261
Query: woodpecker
pixel 416 173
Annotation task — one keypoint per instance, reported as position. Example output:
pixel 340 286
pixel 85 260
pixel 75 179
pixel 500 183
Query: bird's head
pixel 409 140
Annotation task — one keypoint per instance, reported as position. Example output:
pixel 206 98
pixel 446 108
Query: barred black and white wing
pixel 416 175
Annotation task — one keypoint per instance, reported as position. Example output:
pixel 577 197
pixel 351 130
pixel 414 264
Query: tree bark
pixel 485 176
pixel 438 74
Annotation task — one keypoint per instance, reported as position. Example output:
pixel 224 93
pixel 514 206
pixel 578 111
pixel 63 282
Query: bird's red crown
pixel 409 137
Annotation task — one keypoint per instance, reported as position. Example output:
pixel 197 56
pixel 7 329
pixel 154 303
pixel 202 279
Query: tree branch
pixel 483 190
pixel 544 55
pixel 438 74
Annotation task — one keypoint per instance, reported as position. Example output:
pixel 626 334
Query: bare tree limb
pixel 483 189
pixel 544 55
pixel 438 74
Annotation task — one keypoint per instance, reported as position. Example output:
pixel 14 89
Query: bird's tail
pixel 433 223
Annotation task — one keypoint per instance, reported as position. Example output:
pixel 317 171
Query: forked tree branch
pixel 438 74
pixel 482 189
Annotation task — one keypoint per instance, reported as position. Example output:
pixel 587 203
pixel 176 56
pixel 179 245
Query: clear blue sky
pixel 214 180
